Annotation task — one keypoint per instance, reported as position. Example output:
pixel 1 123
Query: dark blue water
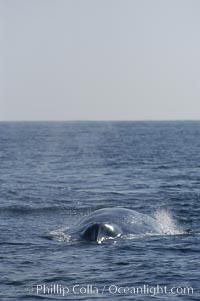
pixel 53 174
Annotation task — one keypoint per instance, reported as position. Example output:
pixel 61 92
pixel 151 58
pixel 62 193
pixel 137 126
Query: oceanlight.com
pixel 112 289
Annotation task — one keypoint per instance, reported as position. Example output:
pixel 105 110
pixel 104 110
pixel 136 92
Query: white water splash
pixel 166 222
pixel 59 235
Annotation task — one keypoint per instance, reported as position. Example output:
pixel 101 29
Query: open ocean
pixel 54 173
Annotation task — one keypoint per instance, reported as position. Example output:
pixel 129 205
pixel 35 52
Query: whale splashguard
pixel 101 231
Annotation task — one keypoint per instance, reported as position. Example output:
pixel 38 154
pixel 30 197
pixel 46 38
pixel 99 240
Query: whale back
pixel 108 223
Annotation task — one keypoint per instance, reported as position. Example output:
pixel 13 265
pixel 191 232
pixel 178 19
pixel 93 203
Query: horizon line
pixel 100 120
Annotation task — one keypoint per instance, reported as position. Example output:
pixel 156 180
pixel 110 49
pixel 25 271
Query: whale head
pixel 101 231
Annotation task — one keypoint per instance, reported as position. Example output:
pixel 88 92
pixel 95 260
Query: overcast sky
pixel 99 59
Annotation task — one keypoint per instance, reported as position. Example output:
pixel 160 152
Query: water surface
pixel 54 173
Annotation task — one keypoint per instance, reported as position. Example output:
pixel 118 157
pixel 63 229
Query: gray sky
pixel 99 59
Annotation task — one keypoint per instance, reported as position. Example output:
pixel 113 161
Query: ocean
pixel 52 174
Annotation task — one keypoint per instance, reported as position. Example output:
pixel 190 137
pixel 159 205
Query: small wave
pixel 135 236
pixel 29 210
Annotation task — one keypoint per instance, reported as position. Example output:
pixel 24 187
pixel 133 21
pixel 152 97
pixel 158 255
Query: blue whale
pixel 110 223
